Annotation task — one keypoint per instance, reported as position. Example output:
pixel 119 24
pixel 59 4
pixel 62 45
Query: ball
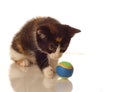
pixel 64 69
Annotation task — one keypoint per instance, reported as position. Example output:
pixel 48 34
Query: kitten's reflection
pixel 63 86
pixel 30 79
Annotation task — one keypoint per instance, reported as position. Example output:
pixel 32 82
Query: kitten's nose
pixel 58 49
pixel 58 55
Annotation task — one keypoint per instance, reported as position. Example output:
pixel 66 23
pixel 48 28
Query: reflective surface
pixel 30 79
pixel 91 74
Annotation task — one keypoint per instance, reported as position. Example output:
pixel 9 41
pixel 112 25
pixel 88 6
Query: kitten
pixel 42 40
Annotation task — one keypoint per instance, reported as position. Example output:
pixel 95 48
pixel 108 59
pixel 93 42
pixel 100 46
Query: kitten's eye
pixel 64 47
pixel 52 47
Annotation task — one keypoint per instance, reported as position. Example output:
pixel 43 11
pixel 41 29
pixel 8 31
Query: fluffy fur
pixel 42 41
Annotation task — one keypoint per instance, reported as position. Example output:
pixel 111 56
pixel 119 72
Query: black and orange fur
pixel 40 37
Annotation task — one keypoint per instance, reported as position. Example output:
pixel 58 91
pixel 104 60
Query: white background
pixel 98 44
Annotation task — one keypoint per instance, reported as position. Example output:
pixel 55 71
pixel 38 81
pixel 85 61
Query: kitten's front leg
pixel 53 63
pixel 48 72
pixel 43 64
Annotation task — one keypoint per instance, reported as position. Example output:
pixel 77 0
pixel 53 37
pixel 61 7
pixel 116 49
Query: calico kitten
pixel 42 41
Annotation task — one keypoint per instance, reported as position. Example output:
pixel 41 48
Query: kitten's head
pixel 54 39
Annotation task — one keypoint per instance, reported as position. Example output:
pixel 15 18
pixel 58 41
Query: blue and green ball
pixel 64 69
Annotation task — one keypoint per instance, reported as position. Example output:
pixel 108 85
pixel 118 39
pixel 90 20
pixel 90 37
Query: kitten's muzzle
pixel 55 55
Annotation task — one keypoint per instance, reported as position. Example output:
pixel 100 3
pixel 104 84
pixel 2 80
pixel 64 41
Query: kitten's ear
pixel 40 34
pixel 48 28
pixel 44 28
pixel 41 31
pixel 72 31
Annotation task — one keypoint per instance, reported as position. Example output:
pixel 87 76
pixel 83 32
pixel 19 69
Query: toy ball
pixel 64 69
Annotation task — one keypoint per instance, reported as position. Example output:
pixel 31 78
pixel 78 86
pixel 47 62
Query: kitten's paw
pixel 48 72
pixel 23 63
